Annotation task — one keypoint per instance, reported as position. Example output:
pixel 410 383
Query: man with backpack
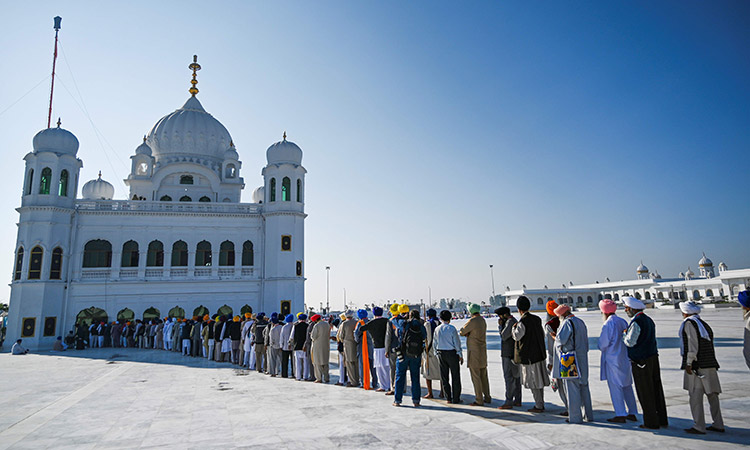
pixel 412 336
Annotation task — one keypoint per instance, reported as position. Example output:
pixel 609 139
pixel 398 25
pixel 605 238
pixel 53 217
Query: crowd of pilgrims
pixel 535 353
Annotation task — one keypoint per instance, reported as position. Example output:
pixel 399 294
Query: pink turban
pixel 607 306
pixel 561 310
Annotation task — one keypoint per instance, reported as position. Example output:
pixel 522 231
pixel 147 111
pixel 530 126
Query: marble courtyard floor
pixel 130 398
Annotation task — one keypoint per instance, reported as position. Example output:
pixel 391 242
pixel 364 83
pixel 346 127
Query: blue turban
pixel 261 315
pixel 362 314
pixel 744 298
pixel 289 318
pixel 273 314
pixel 377 311
pixel 431 313
pixel 302 316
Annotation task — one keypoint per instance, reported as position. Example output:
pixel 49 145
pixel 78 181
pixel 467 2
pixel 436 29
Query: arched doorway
pixel 151 314
pixel 246 309
pixel 177 313
pixel 648 295
pixel 226 311
pixel 200 311
pixel 126 315
pixel 638 295
pixel 91 315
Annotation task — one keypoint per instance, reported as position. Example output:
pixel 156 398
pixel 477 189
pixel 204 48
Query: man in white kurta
pixel 615 365
pixel 573 336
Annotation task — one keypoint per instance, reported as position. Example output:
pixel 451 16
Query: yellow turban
pixel 394 309
pixel 403 309
pixel 299 314
pixel 342 316
pixel 248 315
pixel 236 318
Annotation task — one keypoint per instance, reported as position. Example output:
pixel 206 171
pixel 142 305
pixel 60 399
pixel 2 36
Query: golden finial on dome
pixel 285 135
pixel 195 67
pixel 100 174
pixel 144 138
pixel 59 122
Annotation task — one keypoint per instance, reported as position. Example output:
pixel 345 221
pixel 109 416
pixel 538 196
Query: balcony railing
pixel 176 273
pixel 126 206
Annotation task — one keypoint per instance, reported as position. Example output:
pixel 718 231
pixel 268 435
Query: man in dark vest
pixel 530 352
pixel 511 370
pixel 640 338
pixel 700 366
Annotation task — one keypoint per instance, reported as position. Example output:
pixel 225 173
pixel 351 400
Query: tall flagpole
pixel 58 21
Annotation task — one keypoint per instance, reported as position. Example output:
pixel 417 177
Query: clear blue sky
pixel 559 141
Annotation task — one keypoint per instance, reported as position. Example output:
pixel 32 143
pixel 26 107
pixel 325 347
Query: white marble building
pixel 650 287
pixel 180 245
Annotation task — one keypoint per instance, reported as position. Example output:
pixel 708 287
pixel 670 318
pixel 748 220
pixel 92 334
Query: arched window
pixel 226 253
pixel 185 198
pixel 247 254
pixel 696 295
pixel 129 254
pixel 91 315
pixel 601 297
pixel 203 254
pixel 35 263
pixel 648 295
pixel 589 299
pixel 62 189
pixel 617 297
pixel 272 195
pixel 638 295
pixel 126 315
pixel 165 198
pixel 299 190
pixel 204 199
pixel 151 314
pixel 230 171
pixel 246 309
pixel 659 295
pixel 179 254
pixel 608 296
pixel 19 264
pixel 709 293
pixel 55 265
pixel 200 311
pixel 46 181
pixel 580 299
pixel 186 179
pixel 155 255
pixel 286 189
pixel 97 253
pixel 540 301
pixel 30 182
pixel 177 313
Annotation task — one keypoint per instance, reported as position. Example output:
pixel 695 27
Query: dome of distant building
pixel 705 261
pixel 189 130
pixel 143 149
pixel 284 152
pixel 231 152
pixel 98 189
pixel 722 267
pixel 56 140
pixel 642 269
pixel 259 194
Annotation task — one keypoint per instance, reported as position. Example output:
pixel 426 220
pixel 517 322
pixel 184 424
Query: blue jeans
pixel 413 364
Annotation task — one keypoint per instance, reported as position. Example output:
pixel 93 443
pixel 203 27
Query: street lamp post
pixel 328 303
pixel 492 276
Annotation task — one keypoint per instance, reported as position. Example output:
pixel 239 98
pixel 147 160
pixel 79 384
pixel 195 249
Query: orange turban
pixel 248 315
pixel 551 305
pixel 206 317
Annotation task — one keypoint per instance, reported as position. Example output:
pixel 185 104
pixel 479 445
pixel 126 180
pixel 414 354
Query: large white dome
pixel 56 140
pixel 98 189
pixel 189 130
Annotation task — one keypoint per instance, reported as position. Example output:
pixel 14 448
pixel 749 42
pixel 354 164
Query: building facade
pixel 650 287
pixel 182 244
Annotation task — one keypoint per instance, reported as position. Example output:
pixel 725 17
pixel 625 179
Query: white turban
pixel 349 313
pixel 633 303
pixel 690 307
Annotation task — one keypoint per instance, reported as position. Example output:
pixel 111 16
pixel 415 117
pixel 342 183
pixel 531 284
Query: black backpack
pixel 412 344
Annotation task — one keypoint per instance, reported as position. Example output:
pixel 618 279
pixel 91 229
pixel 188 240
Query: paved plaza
pixel 131 398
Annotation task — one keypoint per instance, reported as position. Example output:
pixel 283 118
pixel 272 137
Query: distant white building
pixel 649 287
pixel 180 245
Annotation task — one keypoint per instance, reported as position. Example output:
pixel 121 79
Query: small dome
pixel 284 152
pixel 722 267
pixel 704 262
pixel 143 149
pixel 57 140
pixel 259 194
pixel 642 268
pixel 98 189
pixel 689 273
pixel 231 152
